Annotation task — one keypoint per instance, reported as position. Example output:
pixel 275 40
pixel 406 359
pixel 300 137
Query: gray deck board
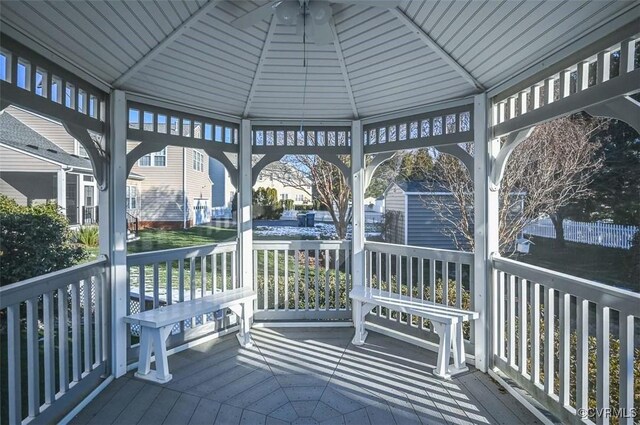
pixel 302 376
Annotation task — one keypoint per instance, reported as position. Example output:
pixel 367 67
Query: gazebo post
pixel 245 236
pixel 485 231
pixel 357 191
pixel 113 228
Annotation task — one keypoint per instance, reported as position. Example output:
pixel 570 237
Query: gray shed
pixel 412 218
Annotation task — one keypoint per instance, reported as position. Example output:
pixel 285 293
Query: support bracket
pixel 465 157
pixel 378 160
pixel 623 108
pixel 97 154
pixel 499 165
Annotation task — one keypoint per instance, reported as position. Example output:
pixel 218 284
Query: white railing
pixel 567 341
pixel 439 275
pixel 603 234
pixel 165 277
pixel 61 317
pixel 302 280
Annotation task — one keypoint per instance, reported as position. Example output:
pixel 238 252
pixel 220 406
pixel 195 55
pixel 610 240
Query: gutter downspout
pixel 184 188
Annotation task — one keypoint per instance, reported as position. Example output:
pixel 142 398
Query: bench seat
pixel 156 324
pixel 447 322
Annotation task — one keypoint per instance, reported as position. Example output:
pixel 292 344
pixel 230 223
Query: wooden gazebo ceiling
pixel 383 60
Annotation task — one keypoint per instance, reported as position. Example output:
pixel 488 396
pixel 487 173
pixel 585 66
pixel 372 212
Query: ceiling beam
pixel 158 48
pixel 431 43
pixel 343 68
pixel 263 58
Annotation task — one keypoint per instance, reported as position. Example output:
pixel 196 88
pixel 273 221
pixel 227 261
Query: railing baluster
pixel 63 334
pixel 565 347
pixel 458 285
pixel 316 279
pixel 142 283
pixel 169 269
pixel 234 267
pixel 523 319
pixel 99 320
pixel 181 288
pixel 338 283
pixel 347 268
pixel 296 278
pixel 13 364
pixel 501 316
pixel 156 285
pixel 306 279
pixel 286 279
pixel 203 281
pixel 511 320
pixel 224 272
pixel 276 278
pixel 327 295
pixel 388 313
pixel 410 285
pixel 603 358
pixel 582 353
pixel 75 330
pixel 445 283
pixel 86 286
pixel 49 348
pixel 421 287
pixel 549 346
pixel 192 285
pixel 265 277
pixel 626 323
pixel 33 366
pixel 214 271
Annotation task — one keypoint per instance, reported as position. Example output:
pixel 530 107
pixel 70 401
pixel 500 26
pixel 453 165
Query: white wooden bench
pixel 156 325
pixel 447 322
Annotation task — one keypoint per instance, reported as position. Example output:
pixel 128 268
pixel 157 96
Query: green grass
pixel 153 239
pixel 606 265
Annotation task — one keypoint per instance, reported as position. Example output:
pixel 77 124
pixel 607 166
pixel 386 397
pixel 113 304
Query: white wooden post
pixel 245 235
pixel 113 228
pixel 357 243
pixel 485 230
pixel 62 191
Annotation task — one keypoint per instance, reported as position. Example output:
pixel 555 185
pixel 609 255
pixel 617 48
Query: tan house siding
pixel 11 160
pixel 198 182
pixel 52 130
pixel 161 196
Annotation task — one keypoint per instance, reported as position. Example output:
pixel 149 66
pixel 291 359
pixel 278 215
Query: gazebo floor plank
pixel 310 376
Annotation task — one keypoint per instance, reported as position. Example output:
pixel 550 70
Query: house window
pixel 198 160
pixel 132 197
pixel 284 196
pixel 299 198
pixel 81 151
pixel 156 159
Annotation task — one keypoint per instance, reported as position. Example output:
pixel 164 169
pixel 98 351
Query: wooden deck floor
pixel 305 377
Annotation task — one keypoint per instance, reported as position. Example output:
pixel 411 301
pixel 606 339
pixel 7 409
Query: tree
pixel 547 172
pixel 322 181
pixel 406 165
pixel 34 240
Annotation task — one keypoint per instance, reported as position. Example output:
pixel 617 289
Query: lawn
pixel 154 239
pixel 606 265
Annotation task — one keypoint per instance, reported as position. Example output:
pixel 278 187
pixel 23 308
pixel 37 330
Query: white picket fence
pixel 603 234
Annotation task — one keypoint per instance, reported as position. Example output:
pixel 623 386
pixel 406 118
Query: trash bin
pixel 302 220
pixel 311 219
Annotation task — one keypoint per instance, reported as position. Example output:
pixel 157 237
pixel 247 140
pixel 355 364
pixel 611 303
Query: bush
pixel 87 236
pixel 34 241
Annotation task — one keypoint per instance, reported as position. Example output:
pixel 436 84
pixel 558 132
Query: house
pixel 412 218
pixel 176 190
pixel 168 189
pixel 40 162
pixel 223 191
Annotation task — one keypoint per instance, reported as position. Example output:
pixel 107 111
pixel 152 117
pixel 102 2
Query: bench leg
pixel 245 316
pixel 459 356
pixel 358 322
pixel 444 351
pixel 157 338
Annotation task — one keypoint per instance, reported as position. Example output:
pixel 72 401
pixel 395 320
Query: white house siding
pixel 49 129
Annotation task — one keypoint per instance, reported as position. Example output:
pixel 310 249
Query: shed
pixel 412 218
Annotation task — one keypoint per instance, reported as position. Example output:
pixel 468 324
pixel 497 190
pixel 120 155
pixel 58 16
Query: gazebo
pixel 252 81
